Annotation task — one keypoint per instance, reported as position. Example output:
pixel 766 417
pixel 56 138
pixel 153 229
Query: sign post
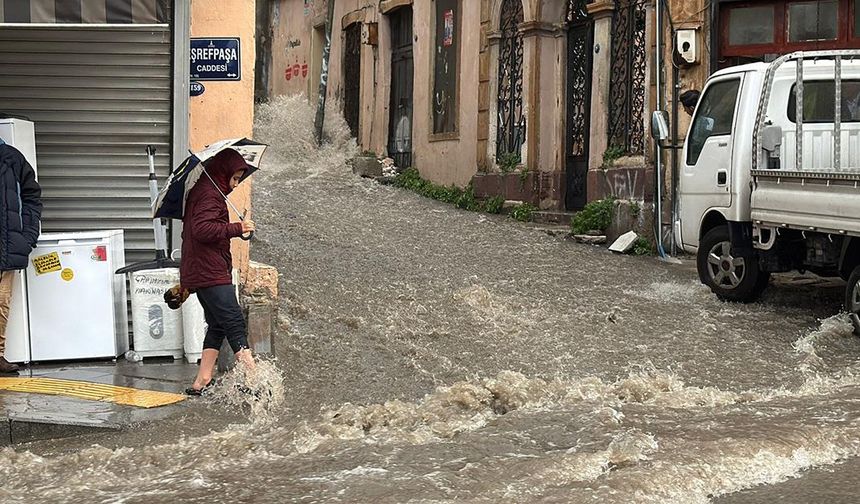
pixel 216 59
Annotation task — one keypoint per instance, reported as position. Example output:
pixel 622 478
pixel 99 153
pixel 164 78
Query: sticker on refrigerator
pixel 47 263
pixel 67 274
pixel 99 254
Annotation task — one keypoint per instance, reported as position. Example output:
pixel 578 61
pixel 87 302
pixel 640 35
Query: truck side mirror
pixel 659 126
pixel 771 140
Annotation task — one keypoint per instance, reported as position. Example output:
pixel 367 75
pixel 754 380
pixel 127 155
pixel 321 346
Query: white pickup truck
pixel 770 175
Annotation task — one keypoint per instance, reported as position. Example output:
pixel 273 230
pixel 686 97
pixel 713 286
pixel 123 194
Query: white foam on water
pixel 673 292
pixel 697 474
pixel 557 470
pixel 470 405
pixel 831 329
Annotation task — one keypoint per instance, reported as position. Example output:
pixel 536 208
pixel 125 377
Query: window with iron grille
pixel 511 125
pixel 627 80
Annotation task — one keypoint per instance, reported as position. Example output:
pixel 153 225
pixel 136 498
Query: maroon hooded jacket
pixel 207 230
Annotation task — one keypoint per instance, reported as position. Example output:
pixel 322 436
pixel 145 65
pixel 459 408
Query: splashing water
pixel 259 391
pixel 832 329
pixel 287 125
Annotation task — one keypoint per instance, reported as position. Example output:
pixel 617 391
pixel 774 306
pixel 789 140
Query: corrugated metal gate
pixel 97 95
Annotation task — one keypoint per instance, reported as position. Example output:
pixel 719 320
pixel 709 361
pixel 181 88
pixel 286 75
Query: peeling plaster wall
pixel 291 48
pixel 294 26
pixel 226 109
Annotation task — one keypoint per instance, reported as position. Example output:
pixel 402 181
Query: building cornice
pixel 601 9
pixel 386 6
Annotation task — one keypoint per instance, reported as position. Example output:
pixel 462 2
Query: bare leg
pixel 207 368
pixel 247 359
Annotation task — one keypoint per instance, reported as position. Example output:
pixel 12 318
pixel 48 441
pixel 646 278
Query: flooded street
pixel 429 354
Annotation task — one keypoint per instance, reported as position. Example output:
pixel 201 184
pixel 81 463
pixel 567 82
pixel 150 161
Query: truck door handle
pixel 722 177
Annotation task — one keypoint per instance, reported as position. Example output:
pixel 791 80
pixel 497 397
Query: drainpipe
pixel 676 87
pixel 320 117
pixel 658 190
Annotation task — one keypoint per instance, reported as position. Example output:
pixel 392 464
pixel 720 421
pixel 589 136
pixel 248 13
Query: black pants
pixel 224 318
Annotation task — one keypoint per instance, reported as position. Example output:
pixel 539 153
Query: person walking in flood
pixel 19 230
pixel 207 262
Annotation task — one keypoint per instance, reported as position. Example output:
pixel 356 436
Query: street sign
pixel 196 88
pixel 216 59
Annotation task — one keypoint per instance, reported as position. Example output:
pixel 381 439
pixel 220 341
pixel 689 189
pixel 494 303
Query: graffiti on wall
pixel 627 183
pixel 309 7
pixel 296 71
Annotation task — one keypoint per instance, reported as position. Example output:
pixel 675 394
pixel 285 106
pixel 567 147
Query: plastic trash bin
pixel 156 329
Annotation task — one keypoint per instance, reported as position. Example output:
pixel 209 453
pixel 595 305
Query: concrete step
pixel 553 217
pixel 550 229
pixel 17 429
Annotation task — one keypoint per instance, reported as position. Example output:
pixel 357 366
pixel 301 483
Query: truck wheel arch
pixel 711 220
pixel 850 257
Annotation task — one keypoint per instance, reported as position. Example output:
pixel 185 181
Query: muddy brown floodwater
pixel 427 354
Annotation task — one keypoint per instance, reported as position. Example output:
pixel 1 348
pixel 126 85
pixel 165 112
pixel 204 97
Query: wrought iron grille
pixel 579 87
pixel 511 127
pixel 579 67
pixel 627 81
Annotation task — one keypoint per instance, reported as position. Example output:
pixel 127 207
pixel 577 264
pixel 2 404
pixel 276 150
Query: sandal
pixel 191 391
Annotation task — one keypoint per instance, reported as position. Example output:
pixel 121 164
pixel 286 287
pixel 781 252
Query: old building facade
pixel 545 101
pixel 101 81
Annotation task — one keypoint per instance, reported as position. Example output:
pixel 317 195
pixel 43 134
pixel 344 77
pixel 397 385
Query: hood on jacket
pixel 223 165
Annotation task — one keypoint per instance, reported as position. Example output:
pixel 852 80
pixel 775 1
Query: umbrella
pixel 170 203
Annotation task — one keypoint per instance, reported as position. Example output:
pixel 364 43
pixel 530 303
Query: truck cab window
pixel 714 116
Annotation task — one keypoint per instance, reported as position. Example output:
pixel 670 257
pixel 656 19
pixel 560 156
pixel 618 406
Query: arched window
pixel 511 126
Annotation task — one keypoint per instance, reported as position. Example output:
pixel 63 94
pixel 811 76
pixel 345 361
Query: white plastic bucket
pixel 157 330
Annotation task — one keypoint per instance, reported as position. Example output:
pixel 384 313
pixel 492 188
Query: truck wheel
pixel 852 299
pixel 731 277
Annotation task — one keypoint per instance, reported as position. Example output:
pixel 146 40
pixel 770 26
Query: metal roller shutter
pixel 98 95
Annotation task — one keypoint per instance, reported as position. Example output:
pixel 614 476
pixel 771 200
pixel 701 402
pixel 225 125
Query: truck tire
pixel 852 299
pixel 730 277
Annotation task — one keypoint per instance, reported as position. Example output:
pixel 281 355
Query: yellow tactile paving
pixel 91 391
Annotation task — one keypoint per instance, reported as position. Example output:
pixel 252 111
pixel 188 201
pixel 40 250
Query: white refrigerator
pixel 77 303
pixel 19 134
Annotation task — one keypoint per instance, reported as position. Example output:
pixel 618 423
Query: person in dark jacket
pixel 689 99
pixel 20 196
pixel 207 263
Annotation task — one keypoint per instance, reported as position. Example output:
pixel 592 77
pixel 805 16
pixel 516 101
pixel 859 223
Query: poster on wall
pixel 445 71
pixel 449 28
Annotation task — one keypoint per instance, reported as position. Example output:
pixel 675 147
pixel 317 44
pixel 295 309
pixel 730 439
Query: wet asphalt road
pixel 387 295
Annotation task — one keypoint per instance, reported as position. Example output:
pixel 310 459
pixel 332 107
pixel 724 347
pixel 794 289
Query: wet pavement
pixel 27 417
pixel 426 354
